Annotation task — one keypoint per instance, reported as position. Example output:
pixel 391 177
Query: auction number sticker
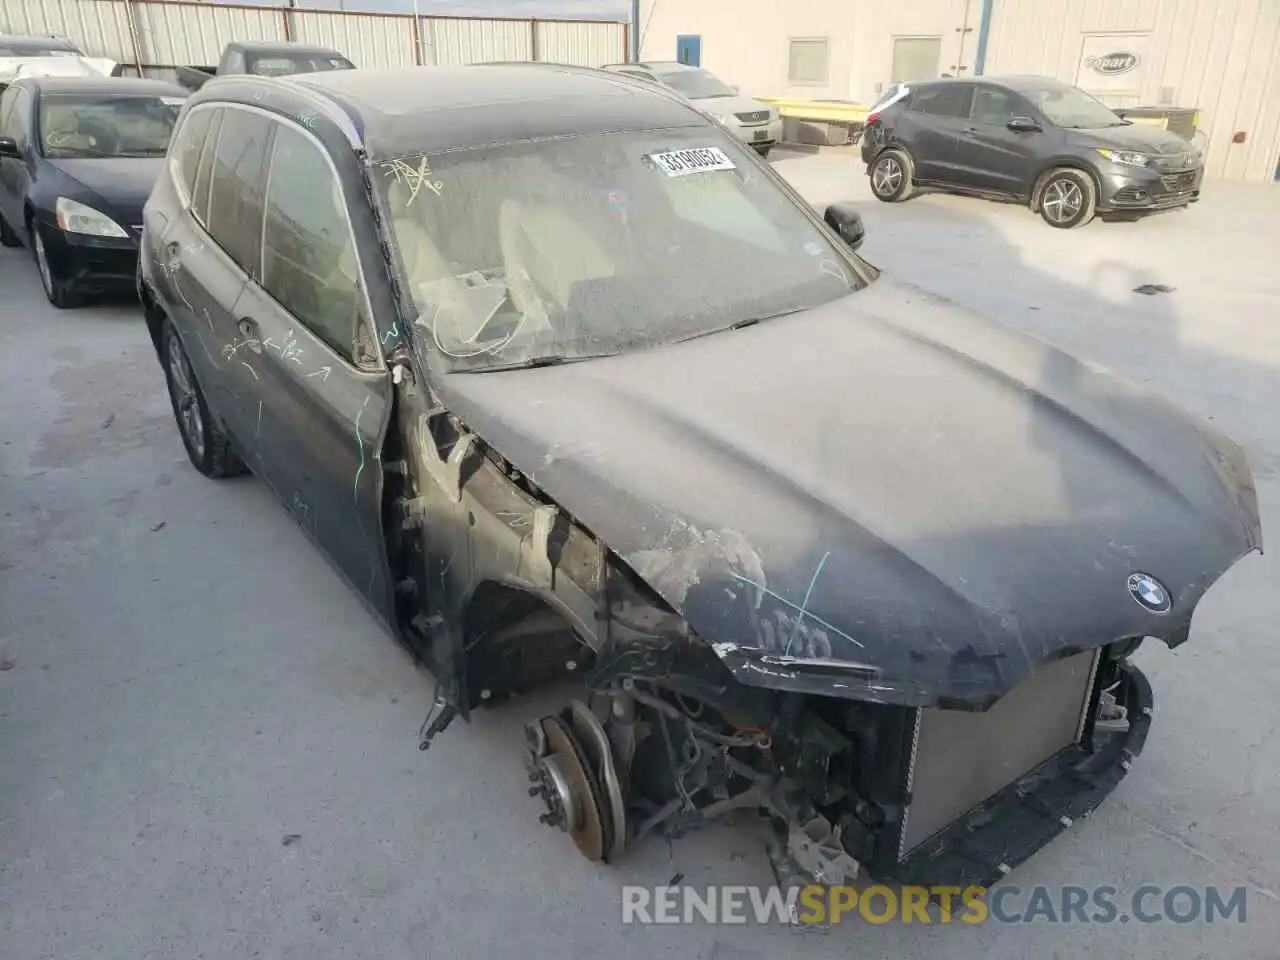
pixel 681 163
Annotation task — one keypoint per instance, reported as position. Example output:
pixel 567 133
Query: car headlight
pixel 1127 157
pixel 76 217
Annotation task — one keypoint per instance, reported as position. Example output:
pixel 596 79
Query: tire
pixel 57 289
pixel 207 445
pixel 1067 198
pixel 763 151
pixel 7 237
pixel 890 176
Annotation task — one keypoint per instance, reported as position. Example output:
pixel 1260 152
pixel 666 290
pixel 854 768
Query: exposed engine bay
pixel 914 795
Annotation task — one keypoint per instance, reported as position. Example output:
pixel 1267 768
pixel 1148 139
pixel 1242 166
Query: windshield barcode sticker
pixel 681 163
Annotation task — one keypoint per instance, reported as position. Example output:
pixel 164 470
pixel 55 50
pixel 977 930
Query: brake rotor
pixel 591 735
pixel 585 822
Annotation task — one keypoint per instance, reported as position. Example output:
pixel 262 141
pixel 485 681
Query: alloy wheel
pixel 886 176
pixel 182 388
pixel 1062 200
pixel 42 261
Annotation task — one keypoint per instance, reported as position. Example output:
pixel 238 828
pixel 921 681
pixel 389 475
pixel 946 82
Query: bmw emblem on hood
pixel 1149 592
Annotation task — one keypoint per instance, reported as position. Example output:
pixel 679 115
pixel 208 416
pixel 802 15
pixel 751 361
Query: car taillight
pixel 873 117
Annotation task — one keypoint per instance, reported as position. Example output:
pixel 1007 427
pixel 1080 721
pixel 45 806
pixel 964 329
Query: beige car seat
pixel 546 250
pixel 423 261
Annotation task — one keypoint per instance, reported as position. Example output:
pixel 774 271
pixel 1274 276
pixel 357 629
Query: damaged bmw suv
pixel 570 384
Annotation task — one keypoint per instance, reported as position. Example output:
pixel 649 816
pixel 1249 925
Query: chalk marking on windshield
pixel 250 369
pixel 257 430
pixel 322 373
pixel 833 269
pixel 393 332
pixel 413 177
pixel 208 319
pixel 308 119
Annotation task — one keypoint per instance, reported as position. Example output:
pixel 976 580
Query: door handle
pixel 249 332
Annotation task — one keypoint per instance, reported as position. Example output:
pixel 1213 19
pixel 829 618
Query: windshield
pixel 696 84
pixel 581 246
pixel 280 66
pixel 1072 108
pixel 106 125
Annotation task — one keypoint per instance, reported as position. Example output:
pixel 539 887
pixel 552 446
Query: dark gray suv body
pixel 1032 140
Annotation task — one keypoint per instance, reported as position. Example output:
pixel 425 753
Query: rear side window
pixel 236 194
pixel 184 154
pixel 945 100
pixel 204 170
pixel 309 264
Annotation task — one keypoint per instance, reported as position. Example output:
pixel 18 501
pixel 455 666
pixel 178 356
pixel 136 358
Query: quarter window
pixel 184 155
pixel 946 100
pixel 309 263
pixel 236 194
pixel 992 106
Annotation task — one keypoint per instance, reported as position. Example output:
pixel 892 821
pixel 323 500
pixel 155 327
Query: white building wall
pixel 1220 56
pixel 747 42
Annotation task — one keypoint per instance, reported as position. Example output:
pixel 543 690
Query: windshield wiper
pixel 545 360
pixel 739 324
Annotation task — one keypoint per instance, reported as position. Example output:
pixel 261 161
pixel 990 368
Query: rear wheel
pixel 891 176
pixel 1067 198
pixel 7 237
pixel 207 446
pixel 56 287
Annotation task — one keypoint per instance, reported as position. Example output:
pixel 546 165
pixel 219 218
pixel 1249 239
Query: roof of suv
pixel 414 110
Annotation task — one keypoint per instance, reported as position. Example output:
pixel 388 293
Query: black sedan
pixel 566 380
pixel 1031 140
pixel 78 159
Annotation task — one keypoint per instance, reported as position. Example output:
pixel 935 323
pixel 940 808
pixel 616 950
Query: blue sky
pixel 576 9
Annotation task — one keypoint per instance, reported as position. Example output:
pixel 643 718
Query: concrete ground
pixel 207 749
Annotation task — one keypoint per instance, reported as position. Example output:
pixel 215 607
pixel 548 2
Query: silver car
pixel 751 121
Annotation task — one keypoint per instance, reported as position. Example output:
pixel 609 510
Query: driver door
pixel 323 392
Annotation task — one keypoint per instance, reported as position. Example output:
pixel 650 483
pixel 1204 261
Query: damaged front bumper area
pixel 668 741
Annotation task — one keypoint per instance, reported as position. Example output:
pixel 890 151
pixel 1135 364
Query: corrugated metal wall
pixel 385 41
pixel 1221 56
pixel 453 40
pixel 586 44
pixel 175 33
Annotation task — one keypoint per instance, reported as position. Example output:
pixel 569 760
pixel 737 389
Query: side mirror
pixel 9 148
pixel 847 222
pixel 1023 125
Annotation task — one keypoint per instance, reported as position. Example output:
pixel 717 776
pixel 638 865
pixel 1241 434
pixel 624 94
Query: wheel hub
pixel 571 771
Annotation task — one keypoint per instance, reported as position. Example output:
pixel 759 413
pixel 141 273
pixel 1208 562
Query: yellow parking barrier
pixel 819 111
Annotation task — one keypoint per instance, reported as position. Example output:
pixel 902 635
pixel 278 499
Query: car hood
pixel 122 183
pixel 1137 136
pixel 887 497
pixel 728 105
